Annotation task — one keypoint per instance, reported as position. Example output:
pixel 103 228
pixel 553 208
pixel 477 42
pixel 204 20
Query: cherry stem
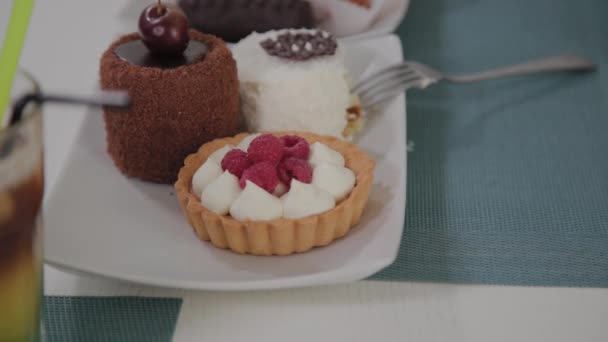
pixel 159 8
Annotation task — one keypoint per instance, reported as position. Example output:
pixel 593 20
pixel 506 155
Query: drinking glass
pixel 21 189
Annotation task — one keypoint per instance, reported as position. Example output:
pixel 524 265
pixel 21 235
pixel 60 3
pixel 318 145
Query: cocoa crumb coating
pixel 173 111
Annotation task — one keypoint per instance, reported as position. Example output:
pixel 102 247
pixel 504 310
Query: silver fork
pixel 388 82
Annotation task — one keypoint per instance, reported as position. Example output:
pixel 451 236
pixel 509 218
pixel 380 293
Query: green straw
pixel 11 50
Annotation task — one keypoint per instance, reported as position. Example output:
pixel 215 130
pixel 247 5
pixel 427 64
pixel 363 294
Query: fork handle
pixel 553 63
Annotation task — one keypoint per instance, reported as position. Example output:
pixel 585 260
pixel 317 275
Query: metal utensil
pixel 107 98
pixel 388 82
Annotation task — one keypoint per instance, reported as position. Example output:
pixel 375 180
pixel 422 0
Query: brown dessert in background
pixel 233 20
pixel 174 109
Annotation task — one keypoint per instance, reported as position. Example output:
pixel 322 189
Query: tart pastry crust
pixel 280 236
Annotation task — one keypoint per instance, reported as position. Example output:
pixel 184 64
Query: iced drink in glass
pixel 21 188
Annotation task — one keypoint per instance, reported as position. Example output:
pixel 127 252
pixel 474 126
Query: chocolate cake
pixel 176 106
pixel 235 19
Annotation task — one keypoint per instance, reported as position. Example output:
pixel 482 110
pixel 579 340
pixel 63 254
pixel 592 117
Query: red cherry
pixel 164 29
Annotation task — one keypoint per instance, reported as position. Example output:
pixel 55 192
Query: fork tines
pixel 386 83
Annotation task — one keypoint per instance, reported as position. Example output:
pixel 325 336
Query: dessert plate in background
pixel 98 221
pixel 383 21
pixel 349 22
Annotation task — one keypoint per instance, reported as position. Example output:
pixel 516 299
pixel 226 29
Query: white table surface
pixel 65 40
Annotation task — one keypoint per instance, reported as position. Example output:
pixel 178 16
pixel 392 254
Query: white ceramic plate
pixel 98 221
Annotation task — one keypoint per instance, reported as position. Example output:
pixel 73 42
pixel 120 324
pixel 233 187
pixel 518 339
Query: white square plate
pixel 100 222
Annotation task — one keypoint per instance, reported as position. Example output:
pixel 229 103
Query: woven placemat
pixel 508 180
pixel 116 319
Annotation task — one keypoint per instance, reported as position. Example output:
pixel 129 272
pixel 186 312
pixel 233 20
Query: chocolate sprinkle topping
pixel 301 46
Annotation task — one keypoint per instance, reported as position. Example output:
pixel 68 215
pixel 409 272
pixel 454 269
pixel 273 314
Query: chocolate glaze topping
pixel 135 52
pixel 301 46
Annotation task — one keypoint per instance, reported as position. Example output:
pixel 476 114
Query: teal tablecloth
pixel 508 182
pixel 110 319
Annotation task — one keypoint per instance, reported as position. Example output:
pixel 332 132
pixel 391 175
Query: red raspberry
pixel 263 174
pixel 294 168
pixel 295 146
pixel 236 161
pixel 266 148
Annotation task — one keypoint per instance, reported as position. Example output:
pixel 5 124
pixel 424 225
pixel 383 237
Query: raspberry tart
pixel 274 194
